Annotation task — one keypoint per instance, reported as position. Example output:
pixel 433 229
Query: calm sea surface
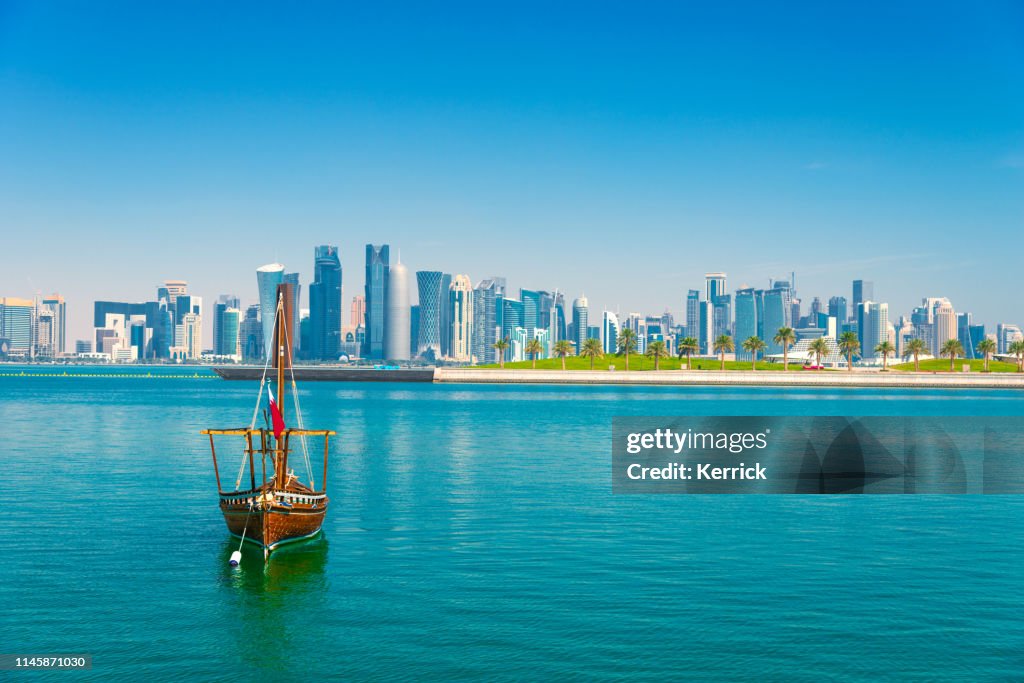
pixel 473 534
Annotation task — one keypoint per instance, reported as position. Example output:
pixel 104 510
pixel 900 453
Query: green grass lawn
pixel 942 365
pixel 638 362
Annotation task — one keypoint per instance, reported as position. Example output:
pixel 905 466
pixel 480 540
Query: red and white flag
pixel 275 415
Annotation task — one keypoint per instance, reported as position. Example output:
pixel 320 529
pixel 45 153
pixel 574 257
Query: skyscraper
pixel 488 318
pixel 225 328
pixel 446 317
pixel 746 320
pixel 58 312
pixel 432 300
pixel 778 312
pixel 325 304
pixel 358 313
pixel 397 316
pixel 837 309
pixel 268 277
pixel 872 327
pixel 376 295
pixel 293 280
pixel 580 313
pixel 16 323
pixel 714 286
pixel 863 290
pixel 460 305
pixel 610 332
pixel 693 313
pixel 250 335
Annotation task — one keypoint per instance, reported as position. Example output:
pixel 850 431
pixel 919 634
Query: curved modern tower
pixel 396 336
pixel 431 312
pixel 268 277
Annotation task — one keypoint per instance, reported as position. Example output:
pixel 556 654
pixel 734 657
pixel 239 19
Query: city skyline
pixel 250 296
pixel 623 158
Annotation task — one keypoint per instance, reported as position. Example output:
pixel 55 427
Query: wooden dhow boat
pixel 274 506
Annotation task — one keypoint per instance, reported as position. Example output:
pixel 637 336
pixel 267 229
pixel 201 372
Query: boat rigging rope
pixel 256 410
pixel 298 413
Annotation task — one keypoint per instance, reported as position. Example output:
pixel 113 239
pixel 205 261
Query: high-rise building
pixel 83 346
pixel 358 314
pixel 965 333
pixel 488 318
pixel 432 300
pixel 872 327
pixel 746 319
pixel 1006 334
pixel 512 318
pixel 714 286
pixel 460 306
pixel 17 321
pixel 250 335
pixel 293 280
pixel 414 326
pixel 610 332
pixel 225 333
pixel 268 277
pixel 778 313
pixel 693 313
pixel 376 295
pixel 325 304
pixel 837 309
pixel 174 289
pixel 56 339
pixel 863 290
pixel 446 318
pixel 580 314
pixel 397 315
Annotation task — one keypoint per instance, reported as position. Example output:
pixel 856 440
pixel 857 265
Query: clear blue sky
pixel 611 149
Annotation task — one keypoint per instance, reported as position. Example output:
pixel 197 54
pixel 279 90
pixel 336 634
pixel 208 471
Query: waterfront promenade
pixel 797 378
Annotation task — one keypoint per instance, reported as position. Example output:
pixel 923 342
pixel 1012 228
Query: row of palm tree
pixel 848 344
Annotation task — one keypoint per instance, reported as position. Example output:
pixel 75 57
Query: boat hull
pixel 274 525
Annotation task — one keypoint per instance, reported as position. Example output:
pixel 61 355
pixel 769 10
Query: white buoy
pixel 236 557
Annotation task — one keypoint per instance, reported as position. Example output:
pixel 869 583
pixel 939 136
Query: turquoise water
pixel 473 534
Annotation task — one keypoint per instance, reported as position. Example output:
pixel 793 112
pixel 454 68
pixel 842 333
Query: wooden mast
pixel 283 345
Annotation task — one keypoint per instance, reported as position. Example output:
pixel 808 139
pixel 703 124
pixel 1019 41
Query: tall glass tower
pixel 325 304
pixel 580 312
pixel 398 315
pixel 432 297
pixel 268 277
pixel 377 273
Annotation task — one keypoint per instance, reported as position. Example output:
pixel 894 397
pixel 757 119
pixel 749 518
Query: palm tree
pixel 987 347
pixel 1017 349
pixel 754 345
pixel 723 343
pixel 563 348
pixel 592 349
pixel 657 350
pixel 915 347
pixel 501 346
pixel 886 349
pixel 952 348
pixel 819 347
pixel 627 343
pixel 687 346
pixel 534 349
pixel 786 337
pixel 849 344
